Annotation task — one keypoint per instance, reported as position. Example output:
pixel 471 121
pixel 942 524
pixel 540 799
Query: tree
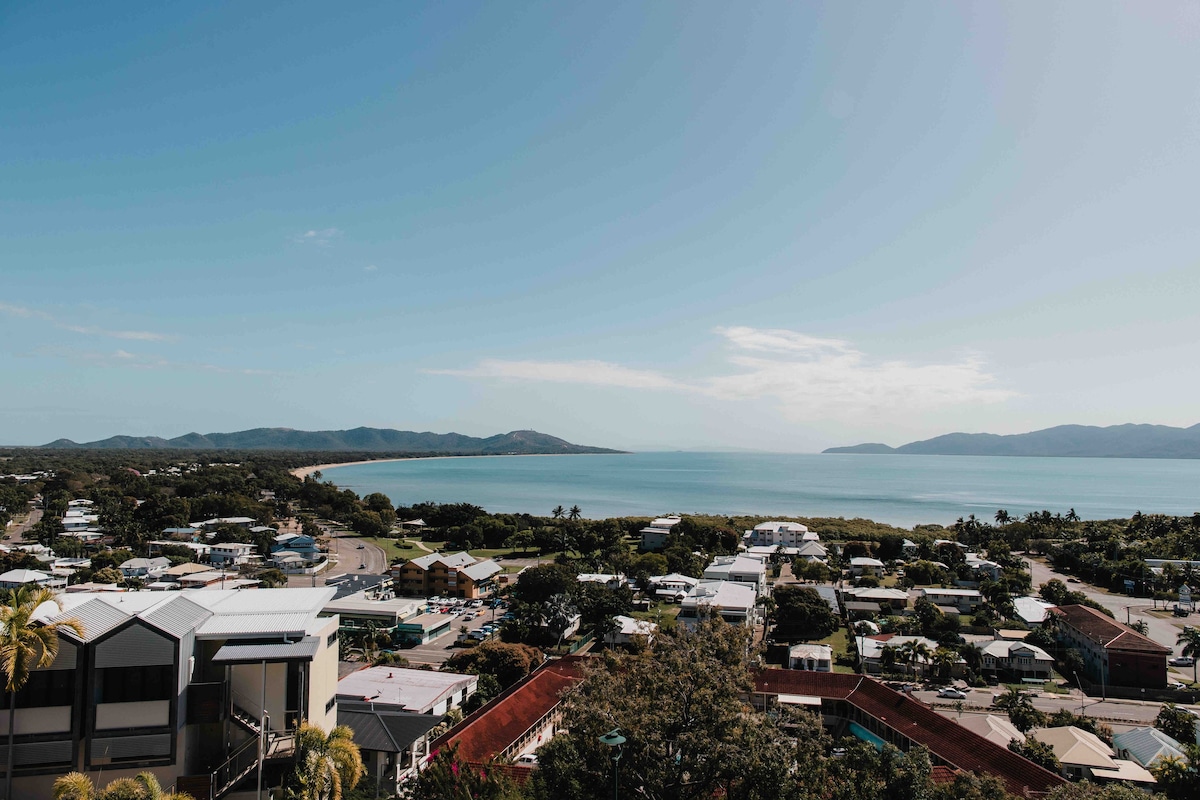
pixel 1021 712
pixel 506 661
pixel 1038 752
pixel 326 764
pixel 1190 639
pixel 913 652
pixel 144 786
pixel 26 644
pixel 1177 723
pixel 445 777
pixel 1176 779
pixel 801 613
pixel 888 656
pixel 1085 790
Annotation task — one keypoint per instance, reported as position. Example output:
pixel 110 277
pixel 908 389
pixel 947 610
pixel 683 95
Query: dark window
pixel 135 684
pixel 331 640
pixel 46 688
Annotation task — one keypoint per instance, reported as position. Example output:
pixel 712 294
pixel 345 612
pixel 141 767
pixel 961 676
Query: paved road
pixel 351 552
pixel 16 532
pixel 1132 711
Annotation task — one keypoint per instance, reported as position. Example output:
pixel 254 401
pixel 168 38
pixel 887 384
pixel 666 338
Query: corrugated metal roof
pixel 386 731
pixel 254 624
pixel 177 617
pixel 97 618
pixel 303 650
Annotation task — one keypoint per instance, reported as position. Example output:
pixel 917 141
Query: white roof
pixel 722 594
pixel 1078 747
pixel 795 527
pixel 1031 610
pixel 1003 648
pixel 863 561
pixel 1125 771
pixel 481 570
pixel 635 627
pixel 992 727
pixel 815 651
pixel 24 576
pixel 951 592
pixel 411 689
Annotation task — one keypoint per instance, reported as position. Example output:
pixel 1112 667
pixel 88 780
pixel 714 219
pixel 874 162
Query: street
pixel 1133 712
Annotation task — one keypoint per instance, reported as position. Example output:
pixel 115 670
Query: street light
pixel 614 740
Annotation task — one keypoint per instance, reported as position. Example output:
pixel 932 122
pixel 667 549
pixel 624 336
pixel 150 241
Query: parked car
pixel 1181 661
pixel 951 693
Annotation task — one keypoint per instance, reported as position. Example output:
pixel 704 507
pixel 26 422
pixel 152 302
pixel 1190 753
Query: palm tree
pixel 25 645
pixel 887 657
pixel 574 514
pixel 1002 517
pixel 326 765
pixel 1190 639
pixel 557 512
pixel 944 659
pixel 145 786
pixel 914 651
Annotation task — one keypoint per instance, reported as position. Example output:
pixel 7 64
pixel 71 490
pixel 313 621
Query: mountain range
pixel 360 440
pixel 1079 441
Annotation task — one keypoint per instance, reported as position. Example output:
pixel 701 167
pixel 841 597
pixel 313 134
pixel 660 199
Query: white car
pixel 952 693
pixel 1181 661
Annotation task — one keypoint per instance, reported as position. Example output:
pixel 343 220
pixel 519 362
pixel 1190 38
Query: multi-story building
pixel 446 574
pixel 180 684
pixel 1113 654
pixel 654 536
pixel 965 600
pixel 789 534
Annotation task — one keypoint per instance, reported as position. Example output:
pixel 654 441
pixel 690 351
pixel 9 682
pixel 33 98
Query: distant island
pixel 1062 441
pixel 359 440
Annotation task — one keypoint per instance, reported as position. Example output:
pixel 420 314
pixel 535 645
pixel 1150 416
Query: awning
pixel 799 700
pixel 257 652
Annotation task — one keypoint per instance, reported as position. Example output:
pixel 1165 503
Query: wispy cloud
pixel 806 377
pixel 593 373
pixel 87 330
pixel 125 359
pixel 318 236
pixel 370 268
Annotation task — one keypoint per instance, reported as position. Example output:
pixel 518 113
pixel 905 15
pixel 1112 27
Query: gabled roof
pixel 1075 746
pixel 1108 632
pixel 1004 648
pixel 386 731
pixel 960 748
pixel 992 727
pixel 481 570
pixel 446 559
pixel 1147 745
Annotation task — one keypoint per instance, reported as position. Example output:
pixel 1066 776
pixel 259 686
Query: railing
pixel 277 744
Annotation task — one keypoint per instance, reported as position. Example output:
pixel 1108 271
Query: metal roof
pixel 226 625
pixel 178 616
pixel 97 618
pixel 255 652
pixel 386 731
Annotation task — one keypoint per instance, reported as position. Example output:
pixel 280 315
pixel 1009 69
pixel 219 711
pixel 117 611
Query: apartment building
pixel 445 574
pixel 1113 654
pixel 180 684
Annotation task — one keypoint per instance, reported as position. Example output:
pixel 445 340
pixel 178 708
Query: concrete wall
pixel 323 678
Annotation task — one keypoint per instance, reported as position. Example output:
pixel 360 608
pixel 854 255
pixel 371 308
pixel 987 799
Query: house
pixel 739 569
pixel 1084 756
pixel 604 579
pixel 1146 746
pixel 381 612
pixel 445 574
pixel 145 568
pixel 300 544
pixel 176 684
pixel 811 657
pixel 200 551
pixel 627 630
pixel 392 743
pixel 1113 654
pixel 910 548
pixel 982 567
pixel 992 727
pixel 965 600
pixel 734 602
pixel 654 535
pixel 1032 610
pixel 771 534
pixel 232 554
pixel 896 599
pixel 673 587
pixel 1016 659
pixel 872 650
pixel 812 551
pixel 16 578
pixel 863 565
pixel 862 707
pixel 397 689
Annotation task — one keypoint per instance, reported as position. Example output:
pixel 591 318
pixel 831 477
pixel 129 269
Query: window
pixel 45 688
pixel 135 684
pixel 329 706
pixel 331 639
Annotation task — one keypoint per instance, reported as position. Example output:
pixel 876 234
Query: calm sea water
pixel 897 489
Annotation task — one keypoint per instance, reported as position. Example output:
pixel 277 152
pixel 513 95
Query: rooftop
pixel 415 690
pixel 1108 632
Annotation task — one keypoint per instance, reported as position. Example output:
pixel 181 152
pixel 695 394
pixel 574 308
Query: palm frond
pixel 73 786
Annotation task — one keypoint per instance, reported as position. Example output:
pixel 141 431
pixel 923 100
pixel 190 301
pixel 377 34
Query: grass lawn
pixel 398 549
pixel 662 613
pixel 839 640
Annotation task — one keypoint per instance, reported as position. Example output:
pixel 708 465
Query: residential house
pixel 1016 659
pixel 144 568
pixel 16 578
pixel 654 535
pixel 732 601
pixel 872 648
pixel 965 600
pixel 445 574
pixel 992 727
pixel 628 630
pixel 983 568
pixel 1113 654
pixel 1032 610
pixel 176 684
pixel 673 587
pixel 1146 746
pixel 739 569
pixel 420 691
pixel 200 551
pixel 393 744
pixel 300 544
pixel 811 657
pixel 862 565
pixel 232 554
pixel 604 579
pixel 771 534
pixel 1084 756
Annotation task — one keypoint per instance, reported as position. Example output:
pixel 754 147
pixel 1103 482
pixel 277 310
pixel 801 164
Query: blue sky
pixel 768 226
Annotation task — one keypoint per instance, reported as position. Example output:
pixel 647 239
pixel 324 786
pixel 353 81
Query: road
pixel 345 558
pixel 16 532
pixel 1131 711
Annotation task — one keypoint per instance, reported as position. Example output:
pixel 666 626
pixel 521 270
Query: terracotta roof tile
pixel 1108 632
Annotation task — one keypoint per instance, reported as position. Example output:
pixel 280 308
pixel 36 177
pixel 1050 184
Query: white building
pixel 965 600
pixel 628 630
pixel 746 569
pixel 733 602
pixel 654 535
pixel 1017 659
pixel 789 534
pixel 398 689
pixel 673 587
pixel 811 657
pixel 232 554
pixel 863 565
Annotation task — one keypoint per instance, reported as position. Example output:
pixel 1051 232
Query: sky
pixel 766 226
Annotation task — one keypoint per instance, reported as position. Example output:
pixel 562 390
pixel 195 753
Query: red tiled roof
pixel 501 721
pixel 940 774
pixel 1111 634
pixel 947 740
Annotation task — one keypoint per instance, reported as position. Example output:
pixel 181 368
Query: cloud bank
pixel 806 377
pixel 33 313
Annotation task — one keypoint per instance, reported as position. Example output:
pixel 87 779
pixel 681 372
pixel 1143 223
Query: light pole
pixel 614 740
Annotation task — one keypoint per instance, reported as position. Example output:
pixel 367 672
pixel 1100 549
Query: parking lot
pixel 473 618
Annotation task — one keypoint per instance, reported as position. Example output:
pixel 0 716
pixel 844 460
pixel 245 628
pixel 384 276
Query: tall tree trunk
pixel 12 719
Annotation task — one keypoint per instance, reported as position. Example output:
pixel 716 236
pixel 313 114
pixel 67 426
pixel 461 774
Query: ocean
pixel 900 490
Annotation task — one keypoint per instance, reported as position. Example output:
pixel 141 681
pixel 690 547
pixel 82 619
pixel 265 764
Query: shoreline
pixel 304 472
